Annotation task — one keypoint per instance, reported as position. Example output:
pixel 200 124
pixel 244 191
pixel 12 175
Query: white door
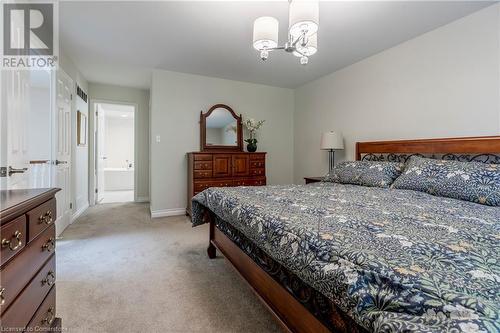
pixel 14 158
pixel 62 164
pixel 100 152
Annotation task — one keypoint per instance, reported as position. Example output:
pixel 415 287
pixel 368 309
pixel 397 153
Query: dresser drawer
pixel 250 182
pixel 223 183
pixel 203 174
pixel 21 311
pixel 257 164
pixel 260 182
pixel 257 172
pixel 45 316
pixel 17 273
pixel 40 218
pixel 13 238
pixel 257 156
pixel 200 186
pixel 203 165
pixel 203 157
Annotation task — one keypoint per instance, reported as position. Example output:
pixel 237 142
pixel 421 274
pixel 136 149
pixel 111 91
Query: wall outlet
pixel 158 139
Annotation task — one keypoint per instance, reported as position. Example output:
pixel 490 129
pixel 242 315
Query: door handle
pixel 61 162
pixel 4 172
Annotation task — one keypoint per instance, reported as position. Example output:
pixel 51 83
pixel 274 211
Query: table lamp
pixel 332 141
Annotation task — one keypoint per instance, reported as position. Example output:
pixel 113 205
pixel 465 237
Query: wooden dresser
pixel 221 169
pixel 28 261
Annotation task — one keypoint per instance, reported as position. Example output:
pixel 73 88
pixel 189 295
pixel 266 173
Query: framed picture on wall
pixel 81 128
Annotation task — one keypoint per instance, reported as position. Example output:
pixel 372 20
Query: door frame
pixel 93 146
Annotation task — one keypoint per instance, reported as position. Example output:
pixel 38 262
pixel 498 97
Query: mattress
pixel 392 260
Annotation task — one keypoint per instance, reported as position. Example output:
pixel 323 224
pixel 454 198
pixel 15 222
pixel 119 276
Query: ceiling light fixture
pixel 303 24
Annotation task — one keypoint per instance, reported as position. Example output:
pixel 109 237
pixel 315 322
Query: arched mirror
pixel 220 129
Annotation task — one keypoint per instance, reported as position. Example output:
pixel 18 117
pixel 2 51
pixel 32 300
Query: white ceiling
pixel 120 42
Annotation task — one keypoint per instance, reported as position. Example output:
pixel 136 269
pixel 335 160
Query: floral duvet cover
pixel 393 260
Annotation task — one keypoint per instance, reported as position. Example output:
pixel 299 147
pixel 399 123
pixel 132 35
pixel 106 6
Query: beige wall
pixel 140 97
pixel 176 102
pixel 444 83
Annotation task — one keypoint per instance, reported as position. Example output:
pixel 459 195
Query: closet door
pixel 15 130
pixel 26 129
pixel 221 165
pixel 240 165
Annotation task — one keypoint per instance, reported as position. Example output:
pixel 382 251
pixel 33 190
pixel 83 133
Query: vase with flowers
pixel 252 126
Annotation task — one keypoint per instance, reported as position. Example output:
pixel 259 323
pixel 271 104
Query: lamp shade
pixel 310 48
pixel 332 140
pixel 303 17
pixel 265 33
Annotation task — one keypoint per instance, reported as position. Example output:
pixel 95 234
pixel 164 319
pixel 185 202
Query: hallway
pixel 120 271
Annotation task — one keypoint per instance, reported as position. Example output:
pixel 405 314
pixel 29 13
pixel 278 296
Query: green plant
pixel 251 141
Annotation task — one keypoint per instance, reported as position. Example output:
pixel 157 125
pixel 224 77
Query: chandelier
pixel 303 24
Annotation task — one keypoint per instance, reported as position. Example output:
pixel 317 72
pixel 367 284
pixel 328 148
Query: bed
pixel 348 258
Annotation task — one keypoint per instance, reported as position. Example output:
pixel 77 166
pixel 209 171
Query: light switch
pixel 158 139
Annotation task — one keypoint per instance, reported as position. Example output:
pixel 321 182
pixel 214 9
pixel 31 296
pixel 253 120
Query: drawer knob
pixel 46 218
pixel 16 239
pixel 51 315
pixel 50 245
pixel 2 297
pixel 50 279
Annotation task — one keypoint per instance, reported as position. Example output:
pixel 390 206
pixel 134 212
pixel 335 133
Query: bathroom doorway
pixel 115 162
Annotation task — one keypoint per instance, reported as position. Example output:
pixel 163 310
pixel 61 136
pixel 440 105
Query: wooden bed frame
pixel 467 145
pixel 289 312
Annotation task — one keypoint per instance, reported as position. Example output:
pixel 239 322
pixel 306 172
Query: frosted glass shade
pixel 265 33
pixel 332 140
pixel 303 16
pixel 310 49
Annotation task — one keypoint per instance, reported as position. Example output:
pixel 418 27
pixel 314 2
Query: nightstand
pixel 310 180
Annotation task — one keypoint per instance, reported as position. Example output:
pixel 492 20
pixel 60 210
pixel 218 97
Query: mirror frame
pixel 203 131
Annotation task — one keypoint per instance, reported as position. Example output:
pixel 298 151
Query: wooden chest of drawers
pixel 27 261
pixel 222 169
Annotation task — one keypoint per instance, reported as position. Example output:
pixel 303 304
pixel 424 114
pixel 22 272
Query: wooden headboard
pixel 480 149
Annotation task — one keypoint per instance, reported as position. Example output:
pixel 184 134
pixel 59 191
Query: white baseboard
pixel 142 199
pixel 79 212
pixel 168 212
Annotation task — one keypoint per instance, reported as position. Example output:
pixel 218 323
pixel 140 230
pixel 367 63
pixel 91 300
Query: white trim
pixel 61 225
pixel 167 212
pixel 142 199
pixel 79 212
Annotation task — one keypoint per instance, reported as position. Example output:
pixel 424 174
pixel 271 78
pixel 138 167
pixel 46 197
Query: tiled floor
pixel 117 196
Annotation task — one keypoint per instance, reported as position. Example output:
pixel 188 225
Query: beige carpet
pixel 120 271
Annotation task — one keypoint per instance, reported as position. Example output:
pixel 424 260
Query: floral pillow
pixel 470 181
pixel 366 173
